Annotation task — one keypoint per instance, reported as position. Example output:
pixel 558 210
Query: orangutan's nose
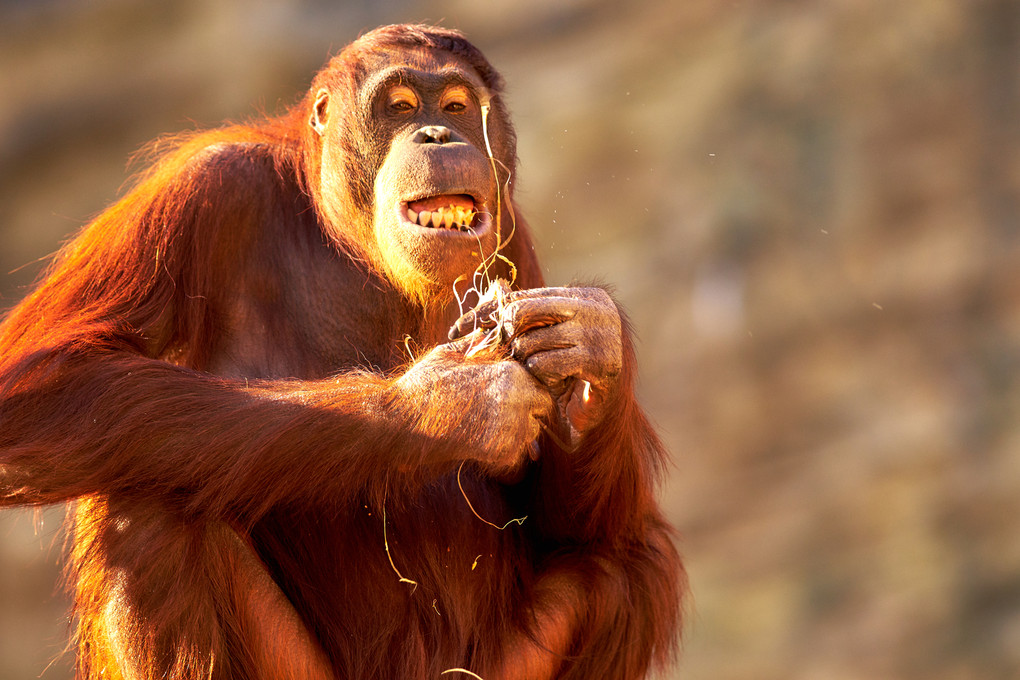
pixel 433 134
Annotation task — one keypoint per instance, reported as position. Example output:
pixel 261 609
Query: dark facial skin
pixel 426 125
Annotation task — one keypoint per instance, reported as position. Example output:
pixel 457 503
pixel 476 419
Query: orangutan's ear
pixel 320 112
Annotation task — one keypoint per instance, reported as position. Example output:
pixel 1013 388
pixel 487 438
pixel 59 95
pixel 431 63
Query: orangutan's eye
pixel 402 99
pixel 456 100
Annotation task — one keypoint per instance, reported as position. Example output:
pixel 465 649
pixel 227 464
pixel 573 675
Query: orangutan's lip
pixel 451 214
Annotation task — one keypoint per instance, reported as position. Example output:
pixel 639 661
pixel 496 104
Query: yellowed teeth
pixel 452 217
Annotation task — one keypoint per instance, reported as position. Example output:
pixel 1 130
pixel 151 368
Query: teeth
pixel 453 217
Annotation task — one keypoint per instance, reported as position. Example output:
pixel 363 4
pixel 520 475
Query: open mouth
pixel 451 212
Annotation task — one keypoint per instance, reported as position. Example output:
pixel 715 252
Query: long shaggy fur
pixel 212 374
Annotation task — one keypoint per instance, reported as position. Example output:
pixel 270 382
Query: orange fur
pixel 214 374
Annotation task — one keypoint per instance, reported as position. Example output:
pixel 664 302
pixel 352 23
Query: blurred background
pixel 811 210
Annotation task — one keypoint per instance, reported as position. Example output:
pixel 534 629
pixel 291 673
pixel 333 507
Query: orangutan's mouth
pixel 452 212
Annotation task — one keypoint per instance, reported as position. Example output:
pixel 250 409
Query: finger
pixel 527 314
pixel 464 325
pixel 525 293
pixel 553 367
pixel 589 293
pixel 459 346
pixel 483 316
pixel 545 339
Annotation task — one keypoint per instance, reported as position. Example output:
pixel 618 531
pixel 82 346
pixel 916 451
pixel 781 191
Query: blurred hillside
pixel 810 210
